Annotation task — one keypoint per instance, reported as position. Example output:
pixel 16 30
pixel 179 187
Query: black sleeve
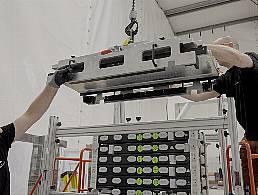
pixel 223 84
pixel 254 57
pixel 8 134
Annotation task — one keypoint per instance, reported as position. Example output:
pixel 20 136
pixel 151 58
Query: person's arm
pixel 202 96
pixel 229 57
pixel 35 111
pixel 40 105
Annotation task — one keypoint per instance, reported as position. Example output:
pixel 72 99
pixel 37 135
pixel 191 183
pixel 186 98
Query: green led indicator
pixel 155 159
pixel 155 182
pixel 140 148
pixel 139 159
pixel 155 169
pixel 155 135
pixel 155 148
pixel 138 192
pixel 154 193
pixel 139 137
pixel 139 181
pixel 139 170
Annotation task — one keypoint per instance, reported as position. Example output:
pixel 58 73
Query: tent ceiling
pixel 188 16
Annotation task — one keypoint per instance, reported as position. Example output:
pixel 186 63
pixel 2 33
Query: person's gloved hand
pixel 59 77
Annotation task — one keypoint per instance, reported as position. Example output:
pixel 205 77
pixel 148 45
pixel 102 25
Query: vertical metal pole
pixel 236 172
pixel 119 113
pixel 223 145
pixel 48 156
pixel 196 181
pixel 94 167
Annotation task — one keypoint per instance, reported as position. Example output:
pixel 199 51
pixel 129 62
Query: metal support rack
pixel 191 125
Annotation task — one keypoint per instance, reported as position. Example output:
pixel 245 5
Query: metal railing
pixel 81 166
pixel 36 185
pixel 250 158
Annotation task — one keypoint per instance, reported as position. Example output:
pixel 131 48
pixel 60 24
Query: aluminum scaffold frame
pixel 221 123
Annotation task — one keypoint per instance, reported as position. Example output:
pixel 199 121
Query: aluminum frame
pixel 218 25
pixel 187 62
pixel 48 157
pixel 190 125
pixel 196 7
pixel 171 125
pixel 236 165
pixel 223 142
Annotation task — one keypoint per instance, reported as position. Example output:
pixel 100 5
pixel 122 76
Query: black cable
pixel 134 23
pixel 133 7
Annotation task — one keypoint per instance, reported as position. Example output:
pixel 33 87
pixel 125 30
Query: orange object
pixel 81 163
pixel 83 175
pixel 80 169
pixel 250 158
pixel 70 179
pixel 36 185
pixel 66 159
pixel 229 170
pixel 105 52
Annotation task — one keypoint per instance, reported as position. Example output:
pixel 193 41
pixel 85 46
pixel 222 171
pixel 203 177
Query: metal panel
pixel 195 162
pixel 132 53
pixel 135 72
pixel 168 4
pixel 214 16
pixel 180 125
pixel 219 25
pixel 196 7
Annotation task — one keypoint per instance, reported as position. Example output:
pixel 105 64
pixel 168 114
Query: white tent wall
pixel 35 34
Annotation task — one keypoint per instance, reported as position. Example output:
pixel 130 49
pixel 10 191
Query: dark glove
pixel 59 77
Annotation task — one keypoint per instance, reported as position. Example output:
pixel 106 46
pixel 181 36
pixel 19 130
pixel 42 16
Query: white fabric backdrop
pixel 35 34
